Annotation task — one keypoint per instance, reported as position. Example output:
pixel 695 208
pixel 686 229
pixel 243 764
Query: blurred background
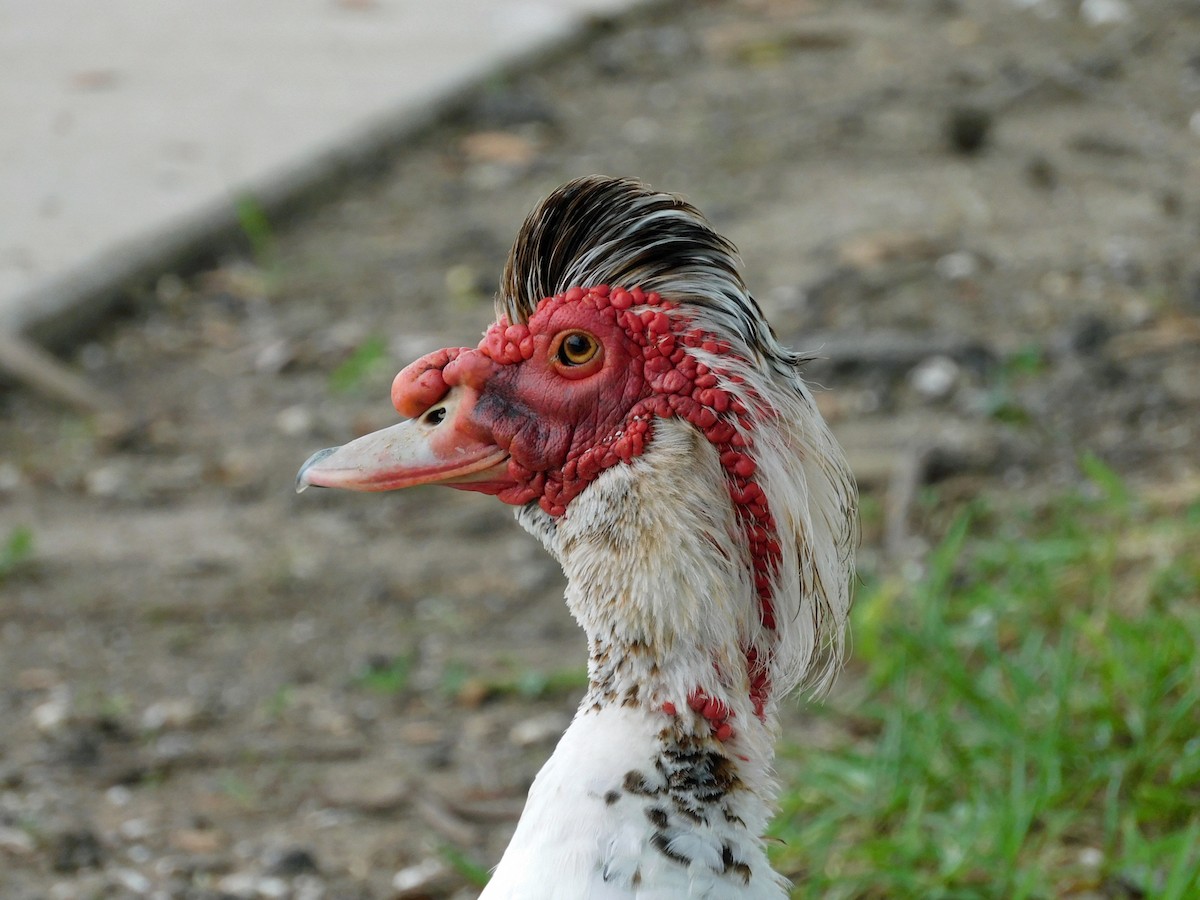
pixel 983 216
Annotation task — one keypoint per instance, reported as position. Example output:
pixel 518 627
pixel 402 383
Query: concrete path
pixel 130 127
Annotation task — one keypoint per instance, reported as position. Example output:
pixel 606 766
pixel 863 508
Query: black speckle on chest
pixel 691 785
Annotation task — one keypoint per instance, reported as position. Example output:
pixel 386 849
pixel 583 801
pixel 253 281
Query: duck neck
pixel 667 763
pixel 658 579
pixel 689 697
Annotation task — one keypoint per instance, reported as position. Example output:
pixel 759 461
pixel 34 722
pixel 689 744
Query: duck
pixel 635 408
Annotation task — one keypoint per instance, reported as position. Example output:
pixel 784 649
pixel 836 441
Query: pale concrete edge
pixel 65 309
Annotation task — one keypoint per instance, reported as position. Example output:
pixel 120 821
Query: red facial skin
pixel 552 419
pixel 564 424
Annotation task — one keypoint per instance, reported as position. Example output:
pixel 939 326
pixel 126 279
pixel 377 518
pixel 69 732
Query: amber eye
pixel 576 348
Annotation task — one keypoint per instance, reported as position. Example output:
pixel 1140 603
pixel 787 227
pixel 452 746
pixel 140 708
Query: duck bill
pixel 438 447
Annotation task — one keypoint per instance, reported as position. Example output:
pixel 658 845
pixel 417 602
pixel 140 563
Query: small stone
pixel 50 717
pixel 309 888
pixel 139 854
pixel 957 266
pixel 119 796
pixel 16 842
pixel 10 477
pixel 198 841
pixel 935 378
pixel 874 249
pixel 273 357
pixel 1136 311
pixel 1182 381
pixel 238 468
pixel 424 878
pixel 364 788
pixel 193 864
pixel 330 720
pixel 240 884
pixel 422 733
pixel 133 881
pixel 94 885
pixel 539 729
pixel 106 481
pixel 964 33
pixel 169 715
pixel 271 888
pixel 294 421
pixel 38 679
pixel 473 692
pixel 501 147
pixel 135 829
pixel 1105 12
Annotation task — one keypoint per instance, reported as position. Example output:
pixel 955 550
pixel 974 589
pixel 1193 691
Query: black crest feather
pixel 617 231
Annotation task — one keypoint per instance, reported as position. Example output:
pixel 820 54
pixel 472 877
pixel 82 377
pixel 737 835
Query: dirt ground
pixel 984 215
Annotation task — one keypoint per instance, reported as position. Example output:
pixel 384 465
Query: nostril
pixel 435 416
pixel 420 384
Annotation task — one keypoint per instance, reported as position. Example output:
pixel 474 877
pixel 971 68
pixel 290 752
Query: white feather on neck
pixel 659 580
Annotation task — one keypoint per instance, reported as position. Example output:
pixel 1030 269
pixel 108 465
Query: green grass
pixel 1021 721
pixel 458 680
pixel 366 360
pixel 256 226
pixel 470 871
pixel 386 676
pixel 16 550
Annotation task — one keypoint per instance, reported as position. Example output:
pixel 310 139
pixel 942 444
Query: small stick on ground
pixel 907 477
pixel 40 371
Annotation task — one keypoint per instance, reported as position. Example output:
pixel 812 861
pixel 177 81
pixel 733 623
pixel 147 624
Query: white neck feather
pixel 656 571
pixel 635 797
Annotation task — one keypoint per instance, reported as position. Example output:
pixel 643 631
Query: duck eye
pixel 576 348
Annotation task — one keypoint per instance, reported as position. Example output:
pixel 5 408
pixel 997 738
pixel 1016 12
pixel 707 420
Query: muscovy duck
pixel 634 406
